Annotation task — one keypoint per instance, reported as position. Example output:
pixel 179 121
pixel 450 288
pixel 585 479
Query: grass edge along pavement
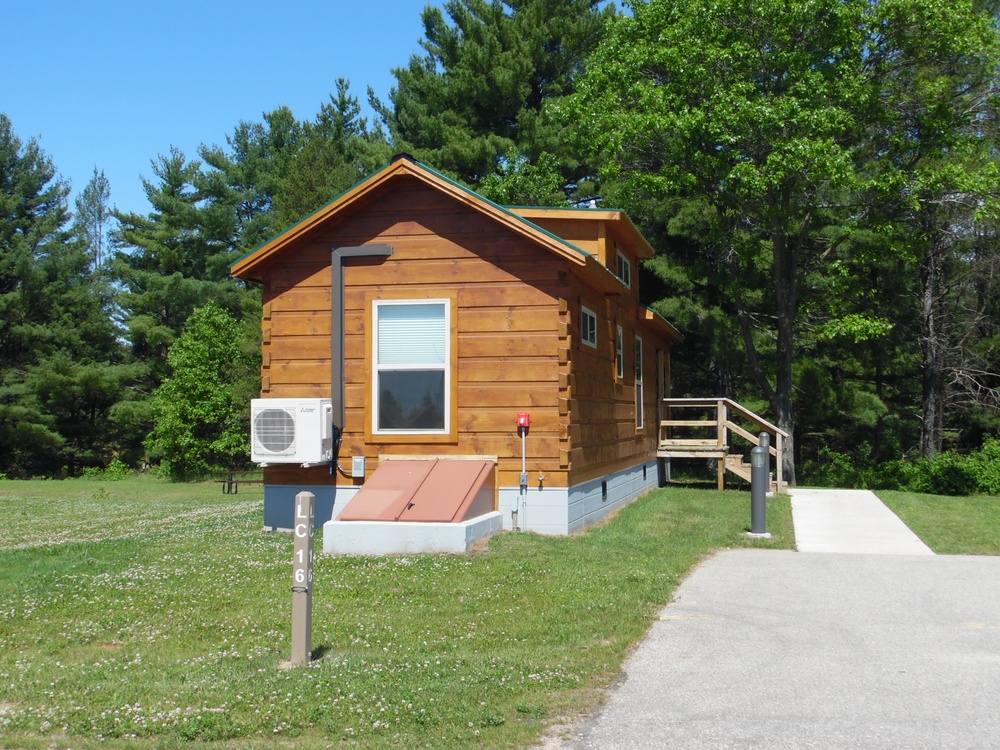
pixel 172 633
pixel 949 525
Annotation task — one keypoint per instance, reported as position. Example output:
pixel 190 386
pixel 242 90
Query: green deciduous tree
pixel 517 182
pixel 826 166
pixel 202 410
pixel 748 109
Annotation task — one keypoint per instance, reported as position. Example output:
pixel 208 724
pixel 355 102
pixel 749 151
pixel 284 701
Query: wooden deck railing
pixel 725 418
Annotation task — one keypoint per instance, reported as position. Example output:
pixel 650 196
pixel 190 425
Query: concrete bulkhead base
pixel 401 537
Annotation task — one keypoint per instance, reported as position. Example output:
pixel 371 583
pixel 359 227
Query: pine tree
pixel 235 188
pixel 934 172
pixel 487 80
pixel 93 216
pixel 168 263
pixel 59 353
pixel 337 151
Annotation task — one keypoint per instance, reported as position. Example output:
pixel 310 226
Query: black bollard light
pixel 760 477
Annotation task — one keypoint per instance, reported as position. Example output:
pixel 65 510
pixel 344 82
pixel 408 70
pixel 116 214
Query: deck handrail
pixel 723 424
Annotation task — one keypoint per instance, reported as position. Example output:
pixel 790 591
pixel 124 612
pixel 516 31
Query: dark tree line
pixel 819 181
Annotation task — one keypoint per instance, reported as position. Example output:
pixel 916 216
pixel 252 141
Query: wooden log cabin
pixel 433 317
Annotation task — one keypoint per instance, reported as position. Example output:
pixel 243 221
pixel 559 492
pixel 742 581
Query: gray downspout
pixel 339 257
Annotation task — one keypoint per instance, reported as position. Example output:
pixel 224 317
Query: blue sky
pixel 114 84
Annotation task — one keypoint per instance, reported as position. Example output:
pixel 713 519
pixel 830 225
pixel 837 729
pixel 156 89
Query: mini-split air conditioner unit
pixel 291 430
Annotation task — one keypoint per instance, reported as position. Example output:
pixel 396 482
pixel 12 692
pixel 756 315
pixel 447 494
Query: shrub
pixel 832 469
pixel 948 473
pixel 986 465
pixel 117 470
pixel 113 472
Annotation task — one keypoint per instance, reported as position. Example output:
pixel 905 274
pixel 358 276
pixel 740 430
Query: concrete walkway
pixel 867 641
pixel 850 521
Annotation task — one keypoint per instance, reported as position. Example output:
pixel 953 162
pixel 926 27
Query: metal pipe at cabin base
pixel 522 495
pixel 760 471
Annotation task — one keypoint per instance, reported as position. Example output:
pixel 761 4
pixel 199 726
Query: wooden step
pixel 736 465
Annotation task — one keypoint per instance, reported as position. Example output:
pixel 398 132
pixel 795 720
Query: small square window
pixel 588 327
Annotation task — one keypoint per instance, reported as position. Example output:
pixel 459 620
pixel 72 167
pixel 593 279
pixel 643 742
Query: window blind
pixel 411 334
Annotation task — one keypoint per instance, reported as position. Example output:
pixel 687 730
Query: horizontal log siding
pixel 604 438
pixel 507 314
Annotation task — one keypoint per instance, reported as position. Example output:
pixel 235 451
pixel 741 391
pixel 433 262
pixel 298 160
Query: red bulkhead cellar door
pixel 431 491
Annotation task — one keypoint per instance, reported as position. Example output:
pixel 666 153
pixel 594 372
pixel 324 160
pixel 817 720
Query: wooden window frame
pixel 622 261
pixel 450 432
pixel 619 354
pixel 586 312
pixel 640 389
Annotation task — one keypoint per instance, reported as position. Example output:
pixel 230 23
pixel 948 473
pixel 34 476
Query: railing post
pixel 722 441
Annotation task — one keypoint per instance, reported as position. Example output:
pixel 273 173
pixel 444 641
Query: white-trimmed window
pixel 620 354
pixel 639 420
pixel 588 326
pixel 412 377
pixel 624 269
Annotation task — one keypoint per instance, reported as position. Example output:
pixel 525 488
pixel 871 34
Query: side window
pixel 639 419
pixel 620 354
pixel 624 270
pixel 411 379
pixel 588 327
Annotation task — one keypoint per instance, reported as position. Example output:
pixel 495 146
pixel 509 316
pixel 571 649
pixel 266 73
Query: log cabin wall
pixel 507 316
pixel 605 434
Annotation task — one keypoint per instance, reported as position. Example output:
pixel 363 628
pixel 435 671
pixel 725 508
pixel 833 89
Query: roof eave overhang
pixel 660 324
pixel 617 220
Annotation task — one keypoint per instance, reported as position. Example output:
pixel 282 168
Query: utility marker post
pixel 302 576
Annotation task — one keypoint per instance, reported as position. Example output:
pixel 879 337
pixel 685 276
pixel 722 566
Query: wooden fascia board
pixel 575 214
pixel 623 228
pixel 244 267
pixel 658 322
pixel 599 277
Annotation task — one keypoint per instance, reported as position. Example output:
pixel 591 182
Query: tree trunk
pixel 785 277
pixel 785 280
pixel 932 343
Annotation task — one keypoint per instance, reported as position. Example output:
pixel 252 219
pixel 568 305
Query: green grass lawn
pixel 146 614
pixel 949 525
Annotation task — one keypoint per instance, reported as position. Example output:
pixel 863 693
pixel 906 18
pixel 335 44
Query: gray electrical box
pixel 358 467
